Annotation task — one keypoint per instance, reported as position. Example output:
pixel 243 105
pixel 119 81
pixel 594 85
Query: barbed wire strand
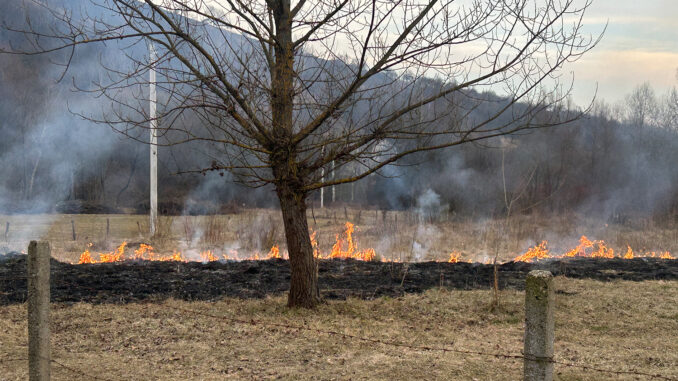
pixel 61 365
pixel 376 341
pixel 425 347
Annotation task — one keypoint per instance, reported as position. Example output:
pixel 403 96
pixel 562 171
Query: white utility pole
pixel 322 190
pixel 153 141
pixel 322 180
pixel 333 191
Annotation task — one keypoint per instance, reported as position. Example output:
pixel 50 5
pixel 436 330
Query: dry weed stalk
pixel 188 223
pixel 214 230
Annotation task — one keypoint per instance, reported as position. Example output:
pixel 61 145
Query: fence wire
pixel 291 327
pixel 63 366
pixel 425 347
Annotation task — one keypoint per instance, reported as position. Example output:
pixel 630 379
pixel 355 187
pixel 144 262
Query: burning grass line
pixel 423 347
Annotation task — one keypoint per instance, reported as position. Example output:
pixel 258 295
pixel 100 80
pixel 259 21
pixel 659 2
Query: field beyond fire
pixel 392 236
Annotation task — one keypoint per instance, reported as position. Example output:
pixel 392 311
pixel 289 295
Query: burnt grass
pixel 338 278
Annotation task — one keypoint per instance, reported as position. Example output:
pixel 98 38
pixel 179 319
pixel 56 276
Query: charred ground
pixel 142 280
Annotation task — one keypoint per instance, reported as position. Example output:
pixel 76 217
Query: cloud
pixel 618 72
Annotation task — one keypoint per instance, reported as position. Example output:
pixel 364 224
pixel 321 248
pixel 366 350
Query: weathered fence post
pixel 38 311
pixel 539 326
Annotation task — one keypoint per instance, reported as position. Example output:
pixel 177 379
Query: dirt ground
pixel 617 325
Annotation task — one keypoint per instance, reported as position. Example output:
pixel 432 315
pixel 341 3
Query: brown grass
pixel 618 326
pixel 391 233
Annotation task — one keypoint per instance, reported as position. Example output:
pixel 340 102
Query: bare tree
pixel 283 90
pixel 641 106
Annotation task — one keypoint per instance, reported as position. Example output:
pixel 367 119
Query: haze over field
pixel 619 161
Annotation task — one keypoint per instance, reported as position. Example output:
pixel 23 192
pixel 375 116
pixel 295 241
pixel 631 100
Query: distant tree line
pixel 618 162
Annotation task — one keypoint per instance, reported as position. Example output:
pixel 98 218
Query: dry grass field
pixel 624 326
pixel 395 235
pixel 617 325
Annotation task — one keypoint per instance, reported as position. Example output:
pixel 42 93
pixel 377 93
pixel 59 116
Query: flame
pixel 314 245
pixel 208 256
pixel 351 246
pixel 143 249
pixel 176 256
pixel 144 252
pixel 587 248
pixel 115 256
pixel 345 246
pixel 666 255
pixel 86 257
pixel 603 251
pixel 534 253
pixel 274 253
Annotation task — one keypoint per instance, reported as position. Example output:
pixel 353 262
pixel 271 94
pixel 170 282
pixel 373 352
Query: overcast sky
pixel 640 45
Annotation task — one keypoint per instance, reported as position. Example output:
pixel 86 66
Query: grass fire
pixel 338 190
pixel 346 247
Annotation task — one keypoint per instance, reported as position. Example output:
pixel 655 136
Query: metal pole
pixel 153 142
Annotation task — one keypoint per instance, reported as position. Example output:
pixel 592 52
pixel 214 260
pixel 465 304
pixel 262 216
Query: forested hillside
pixel 618 162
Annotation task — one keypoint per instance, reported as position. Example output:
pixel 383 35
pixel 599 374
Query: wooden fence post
pixel 539 326
pixel 38 311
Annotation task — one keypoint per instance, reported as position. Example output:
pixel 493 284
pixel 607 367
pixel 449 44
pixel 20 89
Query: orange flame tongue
pixel 454 257
pixel 274 253
pixel 666 255
pixel 115 256
pixel 144 249
pixel 587 248
pixel 534 253
pixel 144 252
pixel 344 247
pixel 351 246
pixel 314 245
pixel 86 257
pixel 208 256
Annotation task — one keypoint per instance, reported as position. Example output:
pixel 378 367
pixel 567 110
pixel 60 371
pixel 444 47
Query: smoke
pixel 425 239
pixel 429 207
pixel 617 166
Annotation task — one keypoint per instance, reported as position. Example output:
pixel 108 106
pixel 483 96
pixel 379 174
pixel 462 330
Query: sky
pixel 640 45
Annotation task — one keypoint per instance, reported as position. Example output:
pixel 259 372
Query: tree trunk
pixel 304 277
pixel 304 272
